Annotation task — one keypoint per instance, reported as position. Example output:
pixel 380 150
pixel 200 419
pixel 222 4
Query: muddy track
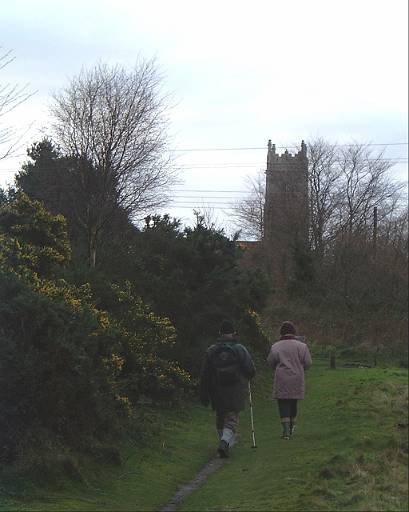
pixel 186 489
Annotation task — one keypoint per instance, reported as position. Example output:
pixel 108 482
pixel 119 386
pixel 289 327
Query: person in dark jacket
pixel 289 357
pixel 226 370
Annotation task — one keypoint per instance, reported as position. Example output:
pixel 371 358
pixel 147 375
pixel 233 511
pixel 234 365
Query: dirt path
pixel 194 484
pixel 186 489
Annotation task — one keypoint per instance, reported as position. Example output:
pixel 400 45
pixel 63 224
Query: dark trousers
pixel 287 407
pixel 227 419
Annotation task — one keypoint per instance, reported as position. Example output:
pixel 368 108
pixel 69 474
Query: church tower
pixel 286 205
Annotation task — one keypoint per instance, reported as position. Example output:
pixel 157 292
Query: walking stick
pixel 253 435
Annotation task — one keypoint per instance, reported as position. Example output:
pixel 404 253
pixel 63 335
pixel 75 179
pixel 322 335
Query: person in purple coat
pixel 289 357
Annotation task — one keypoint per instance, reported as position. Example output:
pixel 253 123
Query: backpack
pixel 225 364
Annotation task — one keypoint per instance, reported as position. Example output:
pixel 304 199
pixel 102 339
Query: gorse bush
pixel 68 368
pixel 147 347
pixel 251 330
pixel 53 374
pixel 31 238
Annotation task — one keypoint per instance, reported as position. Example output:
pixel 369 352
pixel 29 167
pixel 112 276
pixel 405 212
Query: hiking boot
pixel 286 431
pixel 223 449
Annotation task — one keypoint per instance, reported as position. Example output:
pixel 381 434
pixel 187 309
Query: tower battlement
pixel 285 157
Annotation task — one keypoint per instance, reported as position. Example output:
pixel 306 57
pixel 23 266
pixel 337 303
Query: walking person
pixel 289 357
pixel 227 368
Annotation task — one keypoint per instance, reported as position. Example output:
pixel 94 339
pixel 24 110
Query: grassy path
pixel 145 481
pixel 348 454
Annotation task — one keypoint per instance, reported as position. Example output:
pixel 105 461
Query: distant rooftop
pixel 247 244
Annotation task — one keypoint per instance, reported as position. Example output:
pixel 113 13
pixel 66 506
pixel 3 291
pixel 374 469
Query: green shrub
pixel 251 332
pixel 147 347
pixel 31 239
pixel 53 375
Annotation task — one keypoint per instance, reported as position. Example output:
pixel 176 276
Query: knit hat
pixel 227 327
pixel 287 328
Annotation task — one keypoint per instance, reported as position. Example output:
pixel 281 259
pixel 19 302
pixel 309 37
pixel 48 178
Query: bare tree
pixel 11 96
pixel 114 121
pixel 323 183
pixel 365 183
pixel 248 213
pixel 393 234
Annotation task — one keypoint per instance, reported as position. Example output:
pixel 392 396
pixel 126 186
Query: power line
pixel 217 166
pixel 197 207
pixel 221 165
pixel 193 167
pixel 202 190
pixel 187 150
pixel 260 162
pixel 206 203
pixel 207 197
pixel 193 204
pixel 263 163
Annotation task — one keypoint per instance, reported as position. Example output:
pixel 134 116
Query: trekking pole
pixel 253 435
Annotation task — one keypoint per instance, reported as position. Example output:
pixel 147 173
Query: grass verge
pixel 145 480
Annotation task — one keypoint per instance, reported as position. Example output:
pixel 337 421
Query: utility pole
pixel 375 230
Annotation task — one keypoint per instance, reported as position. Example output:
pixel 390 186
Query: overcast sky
pixel 240 73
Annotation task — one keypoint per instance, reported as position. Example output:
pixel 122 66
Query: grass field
pixel 349 453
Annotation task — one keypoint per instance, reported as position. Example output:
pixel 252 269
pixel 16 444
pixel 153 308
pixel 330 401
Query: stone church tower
pixel 286 207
